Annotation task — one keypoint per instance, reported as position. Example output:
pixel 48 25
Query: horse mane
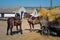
pixel 30 16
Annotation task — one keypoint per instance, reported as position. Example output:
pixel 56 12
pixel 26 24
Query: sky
pixel 29 3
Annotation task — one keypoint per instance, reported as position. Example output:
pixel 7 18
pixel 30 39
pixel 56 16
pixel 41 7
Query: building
pixel 10 11
pixel 34 12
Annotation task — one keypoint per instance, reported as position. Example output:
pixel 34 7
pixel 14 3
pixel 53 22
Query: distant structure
pixel 34 12
pixel 10 11
pixel 21 11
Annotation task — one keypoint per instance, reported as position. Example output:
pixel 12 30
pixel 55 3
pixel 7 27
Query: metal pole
pixel 51 3
pixel 40 7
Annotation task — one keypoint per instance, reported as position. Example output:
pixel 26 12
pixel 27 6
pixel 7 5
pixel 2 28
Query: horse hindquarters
pixel 11 25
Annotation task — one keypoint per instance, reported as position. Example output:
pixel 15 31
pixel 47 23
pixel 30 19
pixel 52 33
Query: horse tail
pixel 8 22
pixel 8 25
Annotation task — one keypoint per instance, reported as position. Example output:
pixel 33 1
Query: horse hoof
pixel 21 33
pixel 7 34
pixel 11 34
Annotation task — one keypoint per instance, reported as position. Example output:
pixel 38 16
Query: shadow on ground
pixel 16 32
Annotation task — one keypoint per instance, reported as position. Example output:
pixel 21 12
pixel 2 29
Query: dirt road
pixel 27 35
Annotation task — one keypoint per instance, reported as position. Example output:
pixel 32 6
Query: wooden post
pixel 51 3
pixel 2 14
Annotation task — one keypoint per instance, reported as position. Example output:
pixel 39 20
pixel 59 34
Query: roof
pixel 16 8
pixel 8 9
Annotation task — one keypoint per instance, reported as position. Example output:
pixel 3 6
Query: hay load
pixel 51 14
pixel 42 12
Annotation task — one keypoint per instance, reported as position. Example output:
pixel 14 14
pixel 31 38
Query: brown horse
pixel 32 20
pixel 14 21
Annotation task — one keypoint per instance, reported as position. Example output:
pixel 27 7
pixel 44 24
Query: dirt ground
pixel 27 35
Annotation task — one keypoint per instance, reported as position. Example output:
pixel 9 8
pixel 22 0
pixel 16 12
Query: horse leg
pixel 16 27
pixel 41 31
pixel 21 29
pixel 30 27
pixel 8 26
pixel 41 28
pixel 40 25
pixel 33 26
pixel 11 30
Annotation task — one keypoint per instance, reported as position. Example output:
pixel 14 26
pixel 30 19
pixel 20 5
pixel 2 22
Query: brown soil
pixel 27 35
